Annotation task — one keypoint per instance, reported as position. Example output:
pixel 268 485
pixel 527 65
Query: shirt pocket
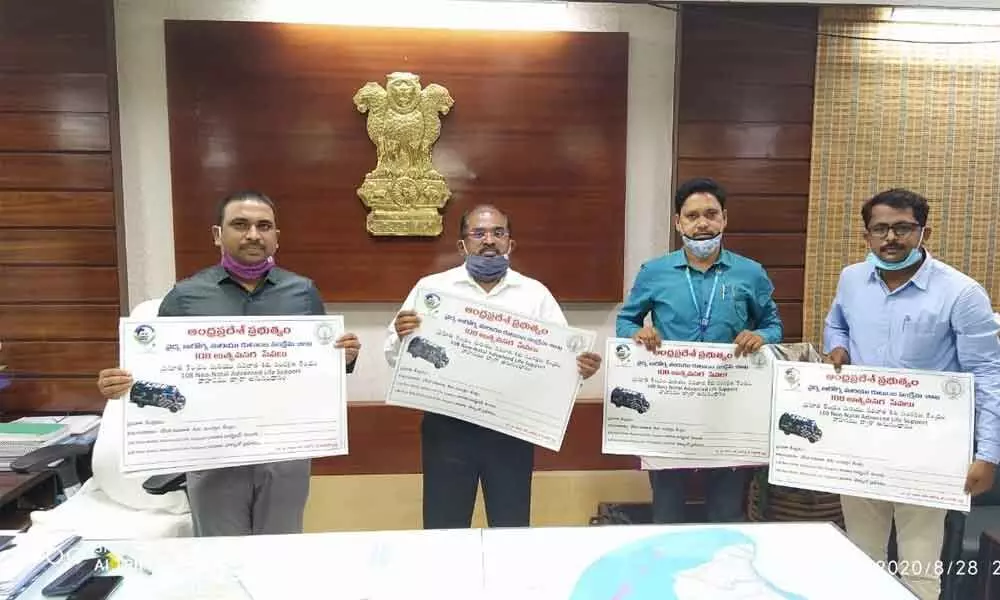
pixel 921 335
pixel 734 307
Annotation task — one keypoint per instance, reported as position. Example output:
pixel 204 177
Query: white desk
pixel 781 561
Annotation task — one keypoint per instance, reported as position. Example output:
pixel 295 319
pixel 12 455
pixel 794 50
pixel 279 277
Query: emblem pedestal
pixel 404 206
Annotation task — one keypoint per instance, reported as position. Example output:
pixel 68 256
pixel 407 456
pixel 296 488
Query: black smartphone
pixel 97 587
pixel 72 578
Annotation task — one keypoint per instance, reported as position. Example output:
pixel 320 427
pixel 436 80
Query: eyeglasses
pixel 901 230
pixel 480 233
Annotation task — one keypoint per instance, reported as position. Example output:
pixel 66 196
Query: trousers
pixel 725 495
pixel 249 500
pixel 919 536
pixel 456 456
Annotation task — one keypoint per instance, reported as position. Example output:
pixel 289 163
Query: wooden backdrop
pixel 538 128
pixel 745 113
pixel 59 255
pixel 745 118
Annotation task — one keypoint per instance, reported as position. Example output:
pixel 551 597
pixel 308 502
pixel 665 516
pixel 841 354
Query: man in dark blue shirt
pixel 254 499
pixel 701 293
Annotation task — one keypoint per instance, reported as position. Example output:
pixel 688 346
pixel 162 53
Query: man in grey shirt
pixel 254 499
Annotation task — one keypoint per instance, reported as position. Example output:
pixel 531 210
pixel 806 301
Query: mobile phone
pixel 72 578
pixel 97 587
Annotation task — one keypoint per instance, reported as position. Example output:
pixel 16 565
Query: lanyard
pixel 703 320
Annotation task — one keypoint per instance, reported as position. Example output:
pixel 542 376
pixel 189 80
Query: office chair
pixel 110 505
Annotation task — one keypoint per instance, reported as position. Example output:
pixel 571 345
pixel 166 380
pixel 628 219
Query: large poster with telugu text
pixel 688 404
pixel 887 434
pixel 210 392
pixel 490 367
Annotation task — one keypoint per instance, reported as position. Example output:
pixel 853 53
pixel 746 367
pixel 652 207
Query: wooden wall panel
pixel 44 132
pixel 538 128
pixel 771 249
pixel 791 319
pixel 745 118
pixel 788 284
pixel 727 101
pixel 56 92
pixel 59 275
pixel 61 358
pixel 61 209
pixel 62 171
pixel 51 395
pixel 745 140
pixel 751 176
pixel 727 63
pixel 45 284
pixel 58 247
pixel 83 322
pixel 785 214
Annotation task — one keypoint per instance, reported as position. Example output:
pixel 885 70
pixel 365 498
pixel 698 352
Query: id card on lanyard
pixel 703 318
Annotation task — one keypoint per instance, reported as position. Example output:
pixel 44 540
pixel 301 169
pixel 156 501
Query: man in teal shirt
pixel 701 293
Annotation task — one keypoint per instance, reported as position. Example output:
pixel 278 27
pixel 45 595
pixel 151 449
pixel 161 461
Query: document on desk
pixel 686 404
pixel 213 392
pixel 887 434
pixel 503 371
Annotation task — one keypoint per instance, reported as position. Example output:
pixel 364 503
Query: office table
pixel 763 561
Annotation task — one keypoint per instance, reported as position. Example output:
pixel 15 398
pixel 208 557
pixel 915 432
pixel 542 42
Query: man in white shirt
pixel 456 454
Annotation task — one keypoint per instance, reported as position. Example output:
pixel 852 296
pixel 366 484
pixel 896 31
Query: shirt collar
pixel 920 279
pixel 678 259
pixel 220 274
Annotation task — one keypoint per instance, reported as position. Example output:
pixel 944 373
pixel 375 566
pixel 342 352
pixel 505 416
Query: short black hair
pixel 698 185
pixel 900 199
pixel 239 197
pixel 463 226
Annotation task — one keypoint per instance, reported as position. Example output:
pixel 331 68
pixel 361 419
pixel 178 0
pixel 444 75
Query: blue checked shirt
pixel 940 320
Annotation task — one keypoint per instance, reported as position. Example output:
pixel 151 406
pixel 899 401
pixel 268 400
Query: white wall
pixel 146 152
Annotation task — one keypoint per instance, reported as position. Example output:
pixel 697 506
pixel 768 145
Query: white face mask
pixel 703 248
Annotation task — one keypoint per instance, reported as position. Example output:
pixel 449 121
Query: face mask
pixel 246 272
pixel 703 248
pixel 486 268
pixel 911 259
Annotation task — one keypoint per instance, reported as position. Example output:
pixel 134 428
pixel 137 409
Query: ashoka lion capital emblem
pixel 404 192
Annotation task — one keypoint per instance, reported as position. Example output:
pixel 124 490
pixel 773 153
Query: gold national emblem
pixel 404 193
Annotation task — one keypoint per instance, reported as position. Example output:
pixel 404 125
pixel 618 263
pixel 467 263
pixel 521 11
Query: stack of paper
pixel 18 439
pixel 30 555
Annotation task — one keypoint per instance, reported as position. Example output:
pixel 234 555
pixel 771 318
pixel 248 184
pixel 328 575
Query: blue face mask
pixel 703 248
pixel 487 268
pixel 911 259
